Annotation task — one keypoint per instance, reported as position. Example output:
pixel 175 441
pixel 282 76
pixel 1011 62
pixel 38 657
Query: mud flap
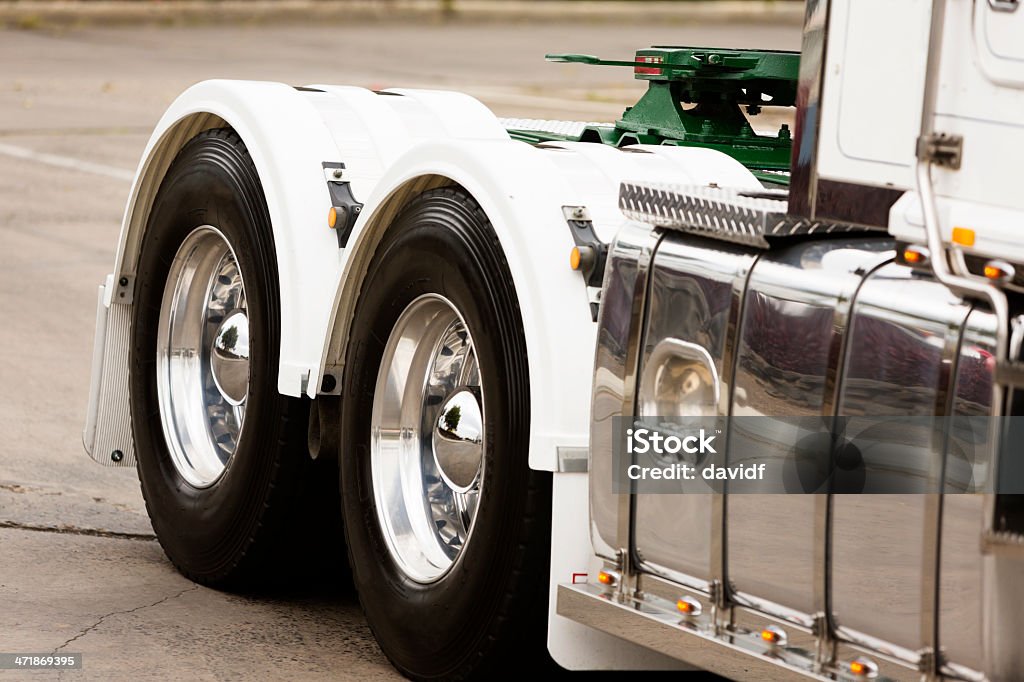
pixel 108 424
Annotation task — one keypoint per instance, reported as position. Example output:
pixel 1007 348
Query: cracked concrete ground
pixel 119 603
pixel 79 571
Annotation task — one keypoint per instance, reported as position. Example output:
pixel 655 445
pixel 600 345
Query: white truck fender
pixel 288 141
pixel 522 193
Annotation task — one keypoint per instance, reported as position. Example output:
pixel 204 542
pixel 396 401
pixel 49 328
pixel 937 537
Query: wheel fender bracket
pixel 581 226
pixel 345 206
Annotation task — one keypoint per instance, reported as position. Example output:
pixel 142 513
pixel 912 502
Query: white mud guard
pixel 288 141
pixel 108 427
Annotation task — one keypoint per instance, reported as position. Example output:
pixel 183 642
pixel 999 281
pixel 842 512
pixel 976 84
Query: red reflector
pixel 647 70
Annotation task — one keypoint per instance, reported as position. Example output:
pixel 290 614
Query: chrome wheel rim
pixel 427 439
pixel 203 357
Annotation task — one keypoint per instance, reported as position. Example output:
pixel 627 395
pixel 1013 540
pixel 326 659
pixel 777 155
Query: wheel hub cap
pixel 229 358
pixel 458 440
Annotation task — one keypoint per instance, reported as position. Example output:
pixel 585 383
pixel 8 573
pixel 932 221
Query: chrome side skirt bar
pixel 738 652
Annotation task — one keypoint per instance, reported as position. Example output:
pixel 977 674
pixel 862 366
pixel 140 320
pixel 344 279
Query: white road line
pixel 67 162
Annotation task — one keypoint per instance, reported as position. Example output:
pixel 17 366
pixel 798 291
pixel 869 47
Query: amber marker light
pixel 863 667
pixel 688 606
pixel 773 635
pixel 606 578
pixel 964 236
pixel 999 271
pixel 575 258
pixel 914 255
pixel 332 217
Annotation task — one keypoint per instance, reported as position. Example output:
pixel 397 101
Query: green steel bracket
pixel 745 75
pixel 696 97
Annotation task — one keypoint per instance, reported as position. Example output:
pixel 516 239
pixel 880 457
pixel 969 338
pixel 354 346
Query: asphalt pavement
pixel 80 571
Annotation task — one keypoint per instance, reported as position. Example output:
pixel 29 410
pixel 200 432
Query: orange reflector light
pixel 688 606
pixel 332 217
pixel 774 635
pixel 914 256
pixel 863 667
pixel 606 578
pixel 575 258
pixel 998 270
pixel 964 236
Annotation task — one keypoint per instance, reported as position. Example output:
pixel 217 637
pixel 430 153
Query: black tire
pixel 251 525
pixel 487 616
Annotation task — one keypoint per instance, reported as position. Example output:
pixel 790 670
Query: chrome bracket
pixel 627 587
pixel 1004 5
pixel 940 149
pixel 825 656
pixel 716 595
pixel 576 213
pixel 929 663
pixel 715 591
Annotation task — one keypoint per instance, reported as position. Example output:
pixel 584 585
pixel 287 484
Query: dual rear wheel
pixel 445 525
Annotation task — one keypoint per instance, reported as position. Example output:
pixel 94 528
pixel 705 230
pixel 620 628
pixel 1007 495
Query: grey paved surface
pixel 92 96
pixel 47 13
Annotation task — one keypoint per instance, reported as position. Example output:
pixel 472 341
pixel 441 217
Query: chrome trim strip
pixel 736 655
pixel 631 381
pixel 720 503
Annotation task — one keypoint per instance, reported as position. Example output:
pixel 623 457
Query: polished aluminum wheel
pixel 427 438
pixel 203 357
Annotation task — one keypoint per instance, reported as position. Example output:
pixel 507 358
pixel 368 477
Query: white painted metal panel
pixel 999 41
pixel 871 99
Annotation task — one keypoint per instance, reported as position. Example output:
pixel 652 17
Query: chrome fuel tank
pixel 813 329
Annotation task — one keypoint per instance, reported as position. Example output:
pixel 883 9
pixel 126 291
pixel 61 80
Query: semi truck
pixel 393 323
